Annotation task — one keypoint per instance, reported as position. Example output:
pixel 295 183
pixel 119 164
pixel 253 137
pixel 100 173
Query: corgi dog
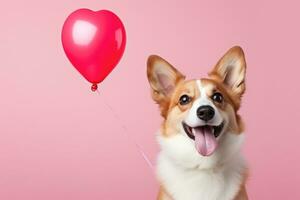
pixel 202 133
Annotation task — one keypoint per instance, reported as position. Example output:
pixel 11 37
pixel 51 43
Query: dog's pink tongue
pixel 205 141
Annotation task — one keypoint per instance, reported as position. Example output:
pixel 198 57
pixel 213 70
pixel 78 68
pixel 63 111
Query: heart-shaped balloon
pixel 94 42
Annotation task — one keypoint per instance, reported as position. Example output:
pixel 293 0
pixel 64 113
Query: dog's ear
pixel 163 78
pixel 231 70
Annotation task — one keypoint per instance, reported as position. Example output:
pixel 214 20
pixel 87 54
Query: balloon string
pixel 139 148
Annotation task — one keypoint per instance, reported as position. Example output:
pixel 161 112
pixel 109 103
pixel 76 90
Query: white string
pixel 125 130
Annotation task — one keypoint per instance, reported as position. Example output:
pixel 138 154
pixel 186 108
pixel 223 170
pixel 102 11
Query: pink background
pixel 59 140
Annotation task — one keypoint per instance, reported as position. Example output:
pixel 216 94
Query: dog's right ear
pixel 163 78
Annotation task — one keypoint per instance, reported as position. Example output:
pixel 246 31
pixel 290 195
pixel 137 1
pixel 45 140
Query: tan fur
pixel 241 195
pixel 187 87
pixel 163 195
pixel 184 87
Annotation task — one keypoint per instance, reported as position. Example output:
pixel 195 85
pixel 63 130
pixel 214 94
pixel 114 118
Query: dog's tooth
pixel 193 131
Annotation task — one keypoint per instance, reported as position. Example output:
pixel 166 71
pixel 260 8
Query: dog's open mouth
pixel 205 137
pixel 190 131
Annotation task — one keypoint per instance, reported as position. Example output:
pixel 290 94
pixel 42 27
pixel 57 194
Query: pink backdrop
pixel 58 139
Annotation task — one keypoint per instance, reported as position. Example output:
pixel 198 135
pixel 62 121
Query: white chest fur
pixel 188 176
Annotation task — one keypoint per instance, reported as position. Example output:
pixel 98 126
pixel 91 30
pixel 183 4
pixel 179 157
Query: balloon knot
pixel 94 87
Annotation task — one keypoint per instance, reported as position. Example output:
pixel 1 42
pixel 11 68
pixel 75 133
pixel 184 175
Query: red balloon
pixel 94 42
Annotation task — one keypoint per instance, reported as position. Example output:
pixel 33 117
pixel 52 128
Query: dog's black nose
pixel 205 113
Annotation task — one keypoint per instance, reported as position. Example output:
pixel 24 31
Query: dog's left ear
pixel 231 70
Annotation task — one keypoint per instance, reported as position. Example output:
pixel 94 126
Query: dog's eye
pixel 184 99
pixel 217 97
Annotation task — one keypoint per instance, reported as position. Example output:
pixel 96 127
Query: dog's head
pixel 202 111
